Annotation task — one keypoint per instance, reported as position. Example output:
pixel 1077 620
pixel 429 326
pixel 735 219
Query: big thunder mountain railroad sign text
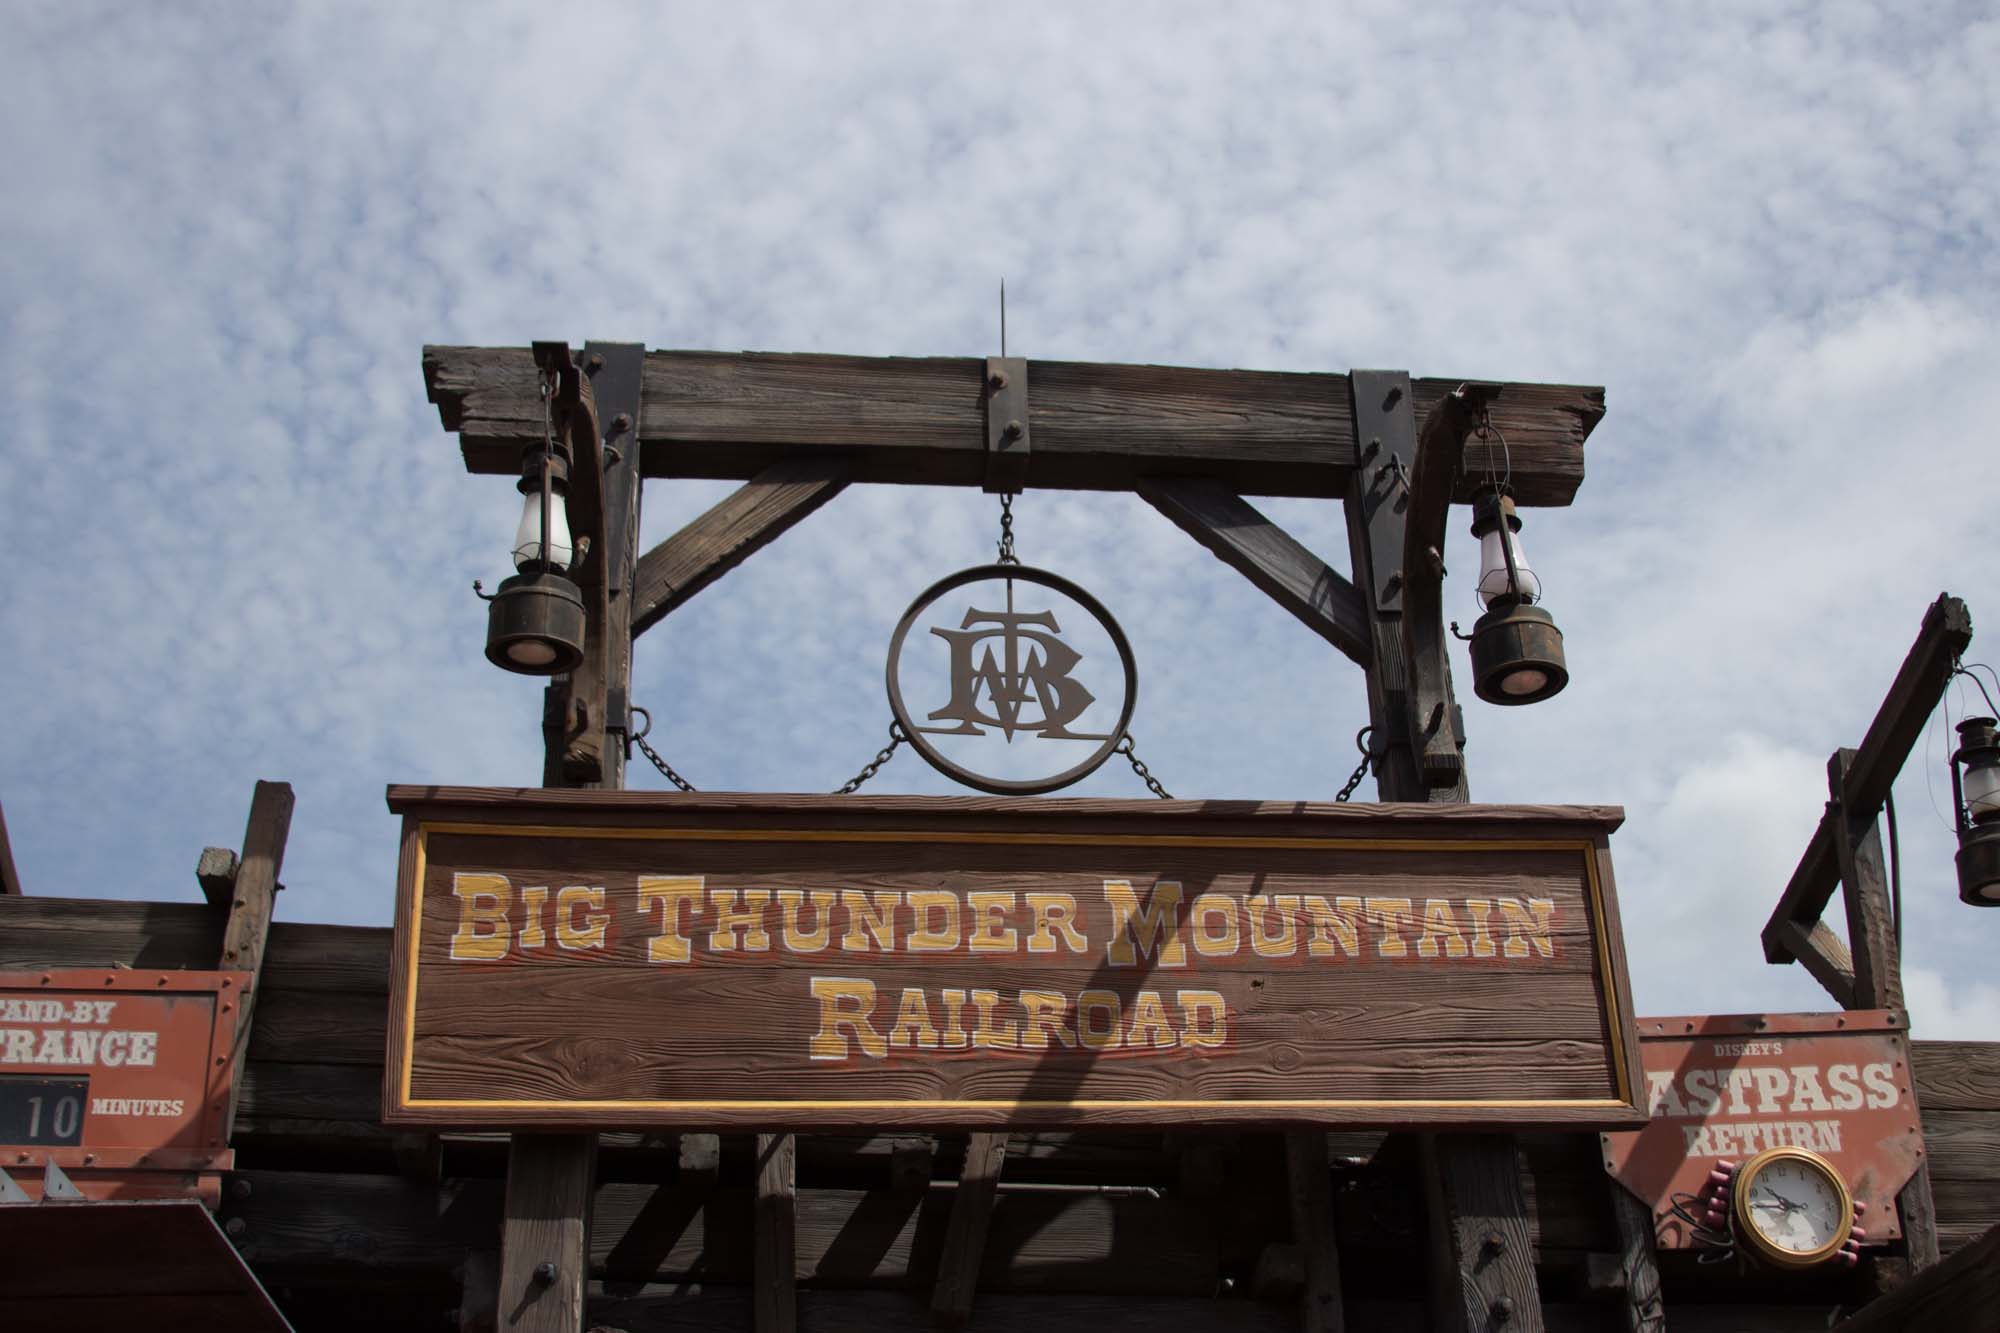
pixel 569 958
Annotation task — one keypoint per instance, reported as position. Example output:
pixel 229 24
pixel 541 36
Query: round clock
pixel 1792 1207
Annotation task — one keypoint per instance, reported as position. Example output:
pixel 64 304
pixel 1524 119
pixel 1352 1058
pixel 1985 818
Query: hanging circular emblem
pixel 1022 684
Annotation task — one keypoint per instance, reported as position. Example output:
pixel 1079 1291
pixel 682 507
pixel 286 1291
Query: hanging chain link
pixel 874 766
pixel 848 788
pixel 639 738
pixel 1007 556
pixel 1129 748
pixel 1361 769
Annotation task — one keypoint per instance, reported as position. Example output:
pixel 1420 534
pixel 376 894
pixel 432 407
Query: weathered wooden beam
pixel 1311 1194
pixel 922 421
pixel 1962 1293
pixel 777 1203
pixel 965 1237
pixel 215 871
pixel 1920 682
pixel 1643 1307
pixel 10 880
pixel 1824 955
pixel 1433 476
pixel 753 517
pixel 1261 551
pixel 1483 1271
pixel 546 1233
pixel 254 894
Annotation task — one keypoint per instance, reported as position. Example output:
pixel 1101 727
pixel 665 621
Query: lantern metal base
pixel 1979 865
pixel 1517 655
pixel 534 625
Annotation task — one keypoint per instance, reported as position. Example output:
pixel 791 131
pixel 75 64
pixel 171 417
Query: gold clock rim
pixel 1740 1204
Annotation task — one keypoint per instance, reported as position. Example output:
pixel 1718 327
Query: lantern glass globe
pixel 1982 792
pixel 528 534
pixel 1493 568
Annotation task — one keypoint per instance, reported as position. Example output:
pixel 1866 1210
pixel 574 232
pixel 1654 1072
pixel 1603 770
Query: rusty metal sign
pixel 117 1072
pixel 1727 1087
pixel 1023 684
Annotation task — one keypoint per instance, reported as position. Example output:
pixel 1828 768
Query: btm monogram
pixel 1031 674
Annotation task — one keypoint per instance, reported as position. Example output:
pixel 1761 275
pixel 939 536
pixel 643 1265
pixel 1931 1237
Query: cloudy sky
pixel 243 547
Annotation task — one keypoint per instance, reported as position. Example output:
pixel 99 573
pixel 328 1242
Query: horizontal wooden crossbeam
pixel 922 421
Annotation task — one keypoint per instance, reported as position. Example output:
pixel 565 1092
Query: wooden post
pixel 965 1233
pixel 10 882
pixel 1312 1222
pixel 545 1242
pixel 254 894
pixel 775 1298
pixel 1482 1274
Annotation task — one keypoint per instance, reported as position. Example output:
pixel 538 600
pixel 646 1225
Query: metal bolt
pixel 240 1188
pixel 546 1272
pixel 236 1226
pixel 1502 1309
pixel 997 380
pixel 1493 1243
pixel 1013 430
pixel 595 363
pixel 621 423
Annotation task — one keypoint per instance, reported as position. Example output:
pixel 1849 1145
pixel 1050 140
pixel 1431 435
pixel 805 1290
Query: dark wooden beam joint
pixel 253 895
pixel 1006 397
pixel 1919 685
pixel 10 882
pixel 1433 476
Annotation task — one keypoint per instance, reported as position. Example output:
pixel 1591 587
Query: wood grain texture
pixel 1484 1279
pixel 1957 1075
pixel 1261 551
pixel 253 898
pixel 965 1236
pixel 1464 1036
pixel 757 514
pixel 1962 1294
pixel 215 871
pixel 1310 1190
pixel 545 1233
pixel 922 421
pixel 777 1204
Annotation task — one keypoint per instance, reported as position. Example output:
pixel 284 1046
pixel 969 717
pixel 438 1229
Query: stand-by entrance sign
pixel 609 958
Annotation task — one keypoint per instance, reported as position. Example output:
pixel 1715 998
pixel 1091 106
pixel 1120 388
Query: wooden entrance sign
pixel 572 958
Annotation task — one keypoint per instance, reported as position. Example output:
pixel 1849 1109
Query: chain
pixel 639 738
pixel 853 784
pixel 1128 747
pixel 1361 769
pixel 1007 556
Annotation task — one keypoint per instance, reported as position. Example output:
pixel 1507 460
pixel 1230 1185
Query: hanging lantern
pixel 1517 655
pixel 1975 787
pixel 534 620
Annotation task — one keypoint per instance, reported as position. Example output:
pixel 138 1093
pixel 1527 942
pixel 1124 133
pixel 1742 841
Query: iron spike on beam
pixel 1006 398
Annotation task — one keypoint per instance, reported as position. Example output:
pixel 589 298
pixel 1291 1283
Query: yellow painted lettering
pixel 533 936
pixel 991 910
pixel 1476 911
pixel 869 914
pixel 1149 1025
pixel 1387 915
pixel 1055 913
pixel 1204 1019
pixel 1212 922
pixel 846 1010
pixel 482 916
pixel 797 939
pixel 986 1031
pixel 933 921
pixel 1044 1012
pixel 1263 910
pixel 914 1029
pixel 1101 1004
pixel 953 1004
pixel 1440 931
pixel 1332 926
pixel 1136 932
pixel 739 911
pixel 670 893
pixel 580 916
pixel 1528 925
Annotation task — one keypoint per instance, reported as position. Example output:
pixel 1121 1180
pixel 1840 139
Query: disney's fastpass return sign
pixel 570 958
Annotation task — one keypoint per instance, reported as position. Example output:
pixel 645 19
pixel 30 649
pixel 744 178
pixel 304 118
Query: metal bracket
pixel 1006 395
pixel 58 1187
pixel 11 1192
pixel 1385 433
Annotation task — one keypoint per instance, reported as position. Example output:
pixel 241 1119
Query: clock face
pixel 1796 1206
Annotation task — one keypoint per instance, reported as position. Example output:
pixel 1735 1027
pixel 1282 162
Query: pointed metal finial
pixel 1003 316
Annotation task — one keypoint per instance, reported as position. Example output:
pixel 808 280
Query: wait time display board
pixel 603 958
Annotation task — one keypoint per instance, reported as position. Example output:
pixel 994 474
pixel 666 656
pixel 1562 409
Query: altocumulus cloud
pixel 241 546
